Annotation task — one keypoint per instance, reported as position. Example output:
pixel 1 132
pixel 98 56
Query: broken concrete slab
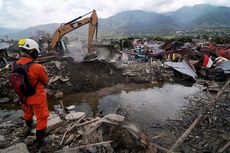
pixel 17 148
pixel 30 140
pixel 91 148
pixel 74 115
pixel 53 119
pixel 4 100
pixel 113 119
pixel 71 107
pixel 2 138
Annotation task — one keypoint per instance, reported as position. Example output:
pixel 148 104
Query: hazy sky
pixel 26 13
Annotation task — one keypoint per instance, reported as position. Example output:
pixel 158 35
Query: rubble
pixel 146 72
pixel 111 133
pixel 210 135
pixel 6 91
pixel 19 147
pixel 69 77
pixel 70 131
pixel 4 100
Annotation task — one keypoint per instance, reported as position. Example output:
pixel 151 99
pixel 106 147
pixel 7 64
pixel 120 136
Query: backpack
pixel 20 82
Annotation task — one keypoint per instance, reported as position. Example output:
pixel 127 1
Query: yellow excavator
pixel 65 28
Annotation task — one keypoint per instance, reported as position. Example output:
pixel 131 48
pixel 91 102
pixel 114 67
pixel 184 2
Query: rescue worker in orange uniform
pixel 37 103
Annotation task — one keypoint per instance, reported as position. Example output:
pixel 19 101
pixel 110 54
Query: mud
pixel 69 76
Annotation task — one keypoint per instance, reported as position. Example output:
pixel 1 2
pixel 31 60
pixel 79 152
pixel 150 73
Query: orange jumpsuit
pixel 37 103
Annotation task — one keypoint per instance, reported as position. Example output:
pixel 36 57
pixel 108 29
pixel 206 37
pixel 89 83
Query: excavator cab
pixel 92 20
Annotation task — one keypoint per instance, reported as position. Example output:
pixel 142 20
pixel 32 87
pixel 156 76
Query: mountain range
pixel 137 21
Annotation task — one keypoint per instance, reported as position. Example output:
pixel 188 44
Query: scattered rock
pixel 4 100
pixel 53 119
pixel 2 138
pixel 74 115
pixel 29 140
pixel 17 148
pixel 59 95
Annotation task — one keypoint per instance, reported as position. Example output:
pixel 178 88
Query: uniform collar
pixel 24 60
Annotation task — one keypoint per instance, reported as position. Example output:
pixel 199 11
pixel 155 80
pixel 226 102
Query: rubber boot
pixel 30 125
pixel 40 138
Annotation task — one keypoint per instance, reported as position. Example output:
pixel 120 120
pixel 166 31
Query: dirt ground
pixel 86 76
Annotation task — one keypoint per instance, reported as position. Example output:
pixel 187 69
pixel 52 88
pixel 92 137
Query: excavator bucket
pixel 91 56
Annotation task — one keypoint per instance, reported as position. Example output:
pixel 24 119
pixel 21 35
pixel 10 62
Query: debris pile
pixel 6 91
pixel 111 133
pixel 73 132
pixel 68 76
pixel 211 132
pixel 146 72
pixel 85 76
pixel 58 76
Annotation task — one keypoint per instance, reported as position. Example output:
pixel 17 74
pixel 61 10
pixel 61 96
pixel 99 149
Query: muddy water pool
pixel 144 103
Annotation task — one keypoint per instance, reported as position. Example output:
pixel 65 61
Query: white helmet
pixel 29 45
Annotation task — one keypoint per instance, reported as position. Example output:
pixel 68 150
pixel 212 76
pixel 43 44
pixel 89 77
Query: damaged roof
pixel 183 67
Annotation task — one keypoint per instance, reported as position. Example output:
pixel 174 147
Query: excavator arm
pixel 74 24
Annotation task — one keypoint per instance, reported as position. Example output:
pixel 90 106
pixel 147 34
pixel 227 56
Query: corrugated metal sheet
pixel 225 65
pixel 183 68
